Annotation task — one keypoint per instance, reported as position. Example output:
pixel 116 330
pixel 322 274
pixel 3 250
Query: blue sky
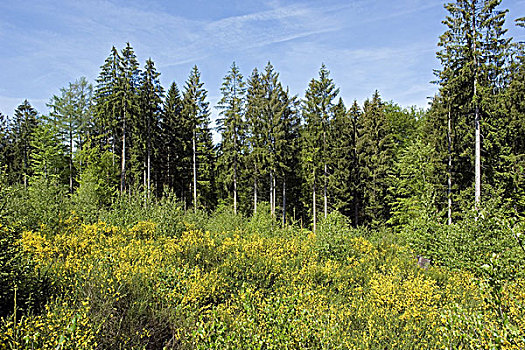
pixel 366 44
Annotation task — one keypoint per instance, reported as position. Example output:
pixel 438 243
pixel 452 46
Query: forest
pixel 311 224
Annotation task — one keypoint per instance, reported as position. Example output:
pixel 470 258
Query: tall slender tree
pixel 472 58
pixel 25 122
pixel 375 149
pixel 318 111
pixel 255 136
pixel 196 116
pixel 151 94
pixel 128 98
pixel 232 128
pixel 70 113
pixel 173 134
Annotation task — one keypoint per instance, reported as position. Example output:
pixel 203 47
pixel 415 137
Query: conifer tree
pixel 342 162
pixel 196 118
pixel 173 134
pixel 70 114
pixel 106 103
pixel 232 128
pixel 128 99
pixel 272 106
pixel 472 58
pixel 151 94
pixel 354 113
pixel 25 122
pixel 318 111
pixel 375 149
pixel 287 149
pixel 255 136
pixel 4 141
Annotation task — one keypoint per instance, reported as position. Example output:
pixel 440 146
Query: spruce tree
pixel 25 122
pixel 173 133
pixel 288 157
pixel 342 161
pixel 272 106
pixel 375 149
pixel 148 131
pixel 255 135
pixel 232 128
pixel 355 113
pixel 472 58
pixel 318 111
pixel 4 141
pixel 128 100
pixel 106 103
pixel 195 113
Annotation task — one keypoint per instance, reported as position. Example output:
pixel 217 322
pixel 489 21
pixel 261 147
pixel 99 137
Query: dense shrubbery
pixel 156 277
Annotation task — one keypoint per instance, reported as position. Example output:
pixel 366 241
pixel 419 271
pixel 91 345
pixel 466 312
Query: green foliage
pixel 333 236
pixel 97 185
pixel 22 128
pixel 469 244
pixel 22 288
pixel 48 157
pixel 232 128
pixel 198 143
pixel 375 151
pixel 135 288
pixel 412 189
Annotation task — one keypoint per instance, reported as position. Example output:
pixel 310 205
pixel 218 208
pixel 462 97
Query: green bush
pixel 22 287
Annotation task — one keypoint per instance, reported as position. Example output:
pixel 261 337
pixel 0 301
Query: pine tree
pixel 4 141
pixel 375 149
pixel 106 103
pixel 128 99
pixel 255 136
pixel 472 56
pixel 232 129
pixel 272 106
pixel 151 94
pixel 195 113
pixel 173 135
pixel 342 162
pixel 318 111
pixel 24 124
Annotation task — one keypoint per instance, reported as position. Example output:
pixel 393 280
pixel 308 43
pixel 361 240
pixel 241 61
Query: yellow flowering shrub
pixel 129 288
pixel 60 326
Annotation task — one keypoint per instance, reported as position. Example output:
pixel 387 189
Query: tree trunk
pixel 314 205
pixel 477 161
pixel 235 188
pixel 148 146
pixel 255 194
pixel 449 139
pixel 271 193
pixel 123 163
pixel 284 202
pixel 356 172
pixel 274 187
pixel 144 181
pixel 149 172
pixel 70 158
pixel 325 191
pixel 194 171
pixel 168 170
